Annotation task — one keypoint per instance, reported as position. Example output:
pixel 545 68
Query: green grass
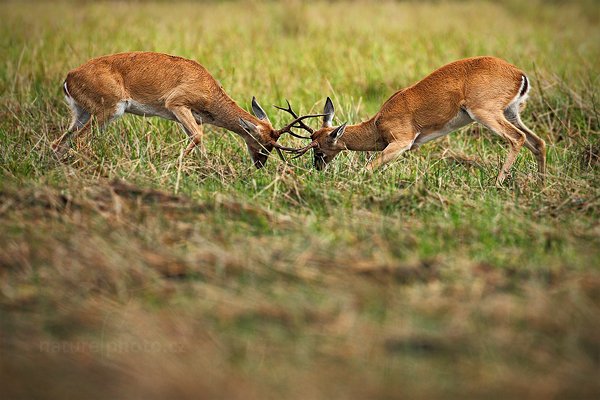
pixel 204 277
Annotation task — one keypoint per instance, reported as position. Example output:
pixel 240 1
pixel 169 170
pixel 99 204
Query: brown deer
pixel 174 88
pixel 487 90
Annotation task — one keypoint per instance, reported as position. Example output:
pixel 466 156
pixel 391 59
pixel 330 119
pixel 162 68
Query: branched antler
pixel 300 152
pixel 280 147
pixel 288 127
pixel 300 125
pixel 296 123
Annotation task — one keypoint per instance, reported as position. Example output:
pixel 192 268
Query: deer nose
pixel 319 164
pixel 260 158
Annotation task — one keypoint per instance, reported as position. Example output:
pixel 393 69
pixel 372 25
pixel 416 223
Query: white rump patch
pixel 512 110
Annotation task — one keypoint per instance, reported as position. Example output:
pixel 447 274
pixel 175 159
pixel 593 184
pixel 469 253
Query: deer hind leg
pixel 194 131
pixel 100 117
pixel 80 119
pixel 533 142
pixel 498 124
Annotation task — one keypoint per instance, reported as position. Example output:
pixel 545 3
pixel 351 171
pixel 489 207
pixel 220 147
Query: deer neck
pixel 362 137
pixel 227 114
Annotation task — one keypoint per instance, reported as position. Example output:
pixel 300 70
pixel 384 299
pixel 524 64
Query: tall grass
pixel 202 276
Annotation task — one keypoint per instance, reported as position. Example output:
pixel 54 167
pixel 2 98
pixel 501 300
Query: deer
pixel 487 90
pixel 166 86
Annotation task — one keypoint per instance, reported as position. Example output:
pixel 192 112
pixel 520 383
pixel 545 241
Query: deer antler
pixel 280 147
pixel 300 152
pixel 292 150
pixel 288 127
pixel 301 124
pixel 296 123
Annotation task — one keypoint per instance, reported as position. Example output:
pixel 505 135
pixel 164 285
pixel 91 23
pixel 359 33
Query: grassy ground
pixel 128 272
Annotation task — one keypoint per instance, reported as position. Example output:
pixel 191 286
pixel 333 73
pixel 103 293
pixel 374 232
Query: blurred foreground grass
pixel 207 278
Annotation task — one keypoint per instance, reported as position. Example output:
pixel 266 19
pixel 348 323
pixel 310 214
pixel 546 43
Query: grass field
pixel 127 272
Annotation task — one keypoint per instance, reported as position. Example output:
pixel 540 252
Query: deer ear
pixel 329 112
pixel 258 111
pixel 247 125
pixel 338 132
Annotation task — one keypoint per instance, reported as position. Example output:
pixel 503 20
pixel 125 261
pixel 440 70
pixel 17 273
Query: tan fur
pixel 474 89
pixel 171 87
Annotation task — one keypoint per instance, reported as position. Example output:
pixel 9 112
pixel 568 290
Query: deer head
pixel 325 141
pixel 262 137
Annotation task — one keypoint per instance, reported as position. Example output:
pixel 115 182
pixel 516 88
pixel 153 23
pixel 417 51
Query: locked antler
pixel 300 152
pixel 301 124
